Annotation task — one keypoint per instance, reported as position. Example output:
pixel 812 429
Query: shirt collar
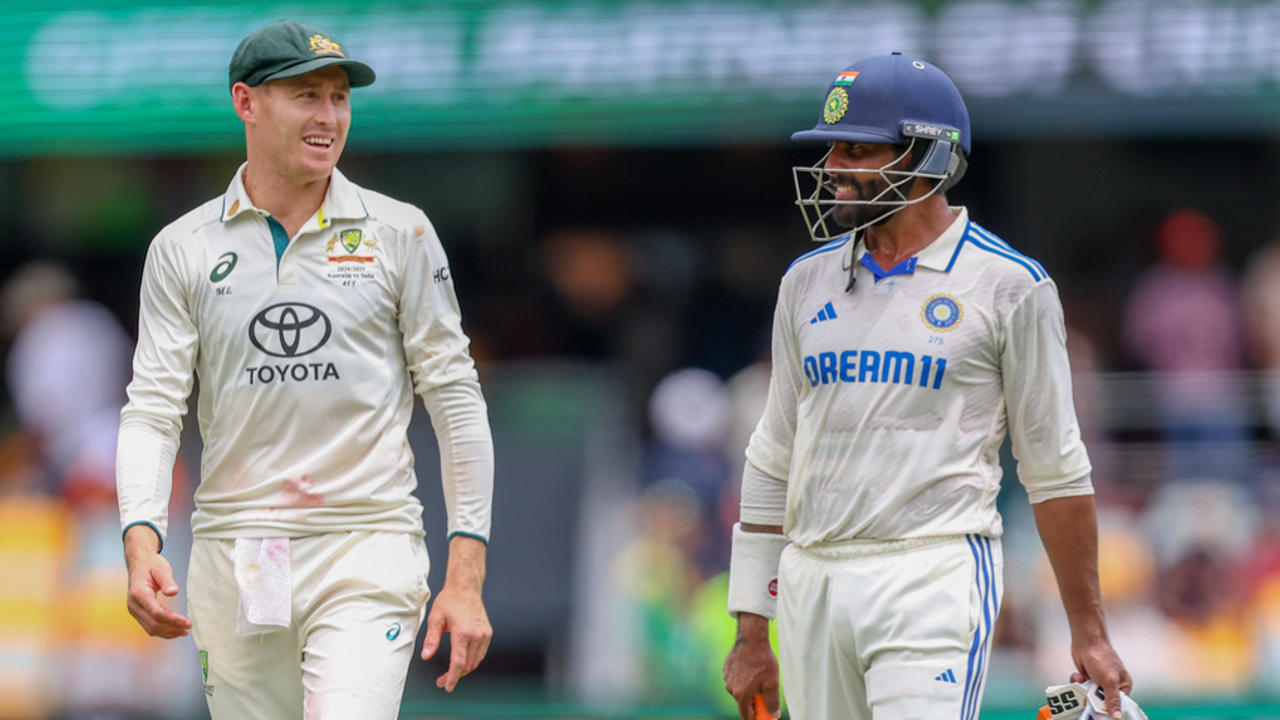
pixel 341 201
pixel 937 255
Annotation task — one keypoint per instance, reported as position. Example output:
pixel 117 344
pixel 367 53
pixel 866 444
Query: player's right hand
pixel 1096 660
pixel 150 576
pixel 752 668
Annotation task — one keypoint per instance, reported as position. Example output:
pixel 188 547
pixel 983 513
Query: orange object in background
pixel 34 542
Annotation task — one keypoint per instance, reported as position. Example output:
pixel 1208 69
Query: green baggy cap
pixel 287 49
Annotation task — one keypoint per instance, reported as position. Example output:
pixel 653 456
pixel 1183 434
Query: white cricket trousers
pixel 358 600
pixel 888 630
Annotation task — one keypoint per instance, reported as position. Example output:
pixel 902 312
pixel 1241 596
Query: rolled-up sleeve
pixel 1052 460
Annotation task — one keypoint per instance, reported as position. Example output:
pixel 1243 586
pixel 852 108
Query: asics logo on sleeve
pixel 871 366
pixel 223 268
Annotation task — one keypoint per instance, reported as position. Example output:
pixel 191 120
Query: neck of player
pixel 908 231
pixel 292 202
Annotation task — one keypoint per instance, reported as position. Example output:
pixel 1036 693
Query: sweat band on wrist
pixel 753 572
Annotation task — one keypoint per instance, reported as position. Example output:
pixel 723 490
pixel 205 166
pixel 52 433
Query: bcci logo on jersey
pixel 942 312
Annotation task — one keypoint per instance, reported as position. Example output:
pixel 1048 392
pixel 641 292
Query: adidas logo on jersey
pixel 947 677
pixel 826 313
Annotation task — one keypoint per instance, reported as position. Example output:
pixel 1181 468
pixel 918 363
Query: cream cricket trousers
pixel 358 599
pixel 888 630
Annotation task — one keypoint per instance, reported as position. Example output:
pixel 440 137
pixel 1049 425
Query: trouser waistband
pixel 845 549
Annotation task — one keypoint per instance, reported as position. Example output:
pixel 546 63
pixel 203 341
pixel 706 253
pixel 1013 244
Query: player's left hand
pixel 1097 661
pixel 460 613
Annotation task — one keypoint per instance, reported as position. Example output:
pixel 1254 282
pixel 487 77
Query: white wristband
pixel 753 572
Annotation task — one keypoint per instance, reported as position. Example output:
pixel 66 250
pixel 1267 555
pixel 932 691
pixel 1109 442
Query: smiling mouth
pixel 319 142
pixel 845 191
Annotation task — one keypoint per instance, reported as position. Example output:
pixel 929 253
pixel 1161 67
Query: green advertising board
pixel 112 77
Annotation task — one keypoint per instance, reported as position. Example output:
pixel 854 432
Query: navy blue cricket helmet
pixel 893 99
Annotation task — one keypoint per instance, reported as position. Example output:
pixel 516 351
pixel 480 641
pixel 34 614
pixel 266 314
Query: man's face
pixel 862 186
pixel 300 124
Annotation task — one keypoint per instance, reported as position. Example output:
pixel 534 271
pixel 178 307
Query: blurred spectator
pixel 592 274
pixel 1197 595
pixel 1183 322
pixel 1261 298
pixel 1199 534
pixel 660 576
pixel 66 370
pixel 601 309
pixel 688 413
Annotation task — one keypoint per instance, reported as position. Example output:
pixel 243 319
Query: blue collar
pixel 906 267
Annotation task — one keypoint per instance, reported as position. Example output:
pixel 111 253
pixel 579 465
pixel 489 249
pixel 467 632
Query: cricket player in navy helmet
pixel 904 348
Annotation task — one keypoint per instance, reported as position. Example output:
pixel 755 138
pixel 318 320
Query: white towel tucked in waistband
pixel 263 575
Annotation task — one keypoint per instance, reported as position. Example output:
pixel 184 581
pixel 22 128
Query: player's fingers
pixel 162 577
pixel 154 617
pixel 1078 677
pixel 772 702
pixel 745 710
pixel 457 661
pixel 1113 702
pixel 156 628
pixel 1126 682
pixel 1110 684
pixel 476 650
pixel 435 629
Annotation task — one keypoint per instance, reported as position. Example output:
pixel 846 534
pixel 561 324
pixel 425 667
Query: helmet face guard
pixel 890 99
pixel 939 160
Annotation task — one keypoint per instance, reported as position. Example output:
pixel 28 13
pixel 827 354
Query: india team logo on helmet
pixel 837 104
pixel 896 100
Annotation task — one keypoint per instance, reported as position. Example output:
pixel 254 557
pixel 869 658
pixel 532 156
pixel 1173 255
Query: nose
pixel 836 160
pixel 327 114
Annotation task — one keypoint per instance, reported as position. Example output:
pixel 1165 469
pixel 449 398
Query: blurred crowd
pixel 67 643
pixel 1180 408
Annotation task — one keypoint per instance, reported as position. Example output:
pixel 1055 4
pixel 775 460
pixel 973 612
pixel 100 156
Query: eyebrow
pixel 309 84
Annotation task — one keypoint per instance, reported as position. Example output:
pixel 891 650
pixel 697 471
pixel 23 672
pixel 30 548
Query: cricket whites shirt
pixel 308 351
pixel 888 404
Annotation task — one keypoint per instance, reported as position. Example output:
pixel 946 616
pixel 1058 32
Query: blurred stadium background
pixel 611 180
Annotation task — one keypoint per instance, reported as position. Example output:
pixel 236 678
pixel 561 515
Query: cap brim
pixel 844 133
pixel 358 74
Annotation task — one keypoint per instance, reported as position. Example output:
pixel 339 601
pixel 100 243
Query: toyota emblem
pixel 289 329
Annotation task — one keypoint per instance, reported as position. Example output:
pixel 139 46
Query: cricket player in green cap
pixel 312 310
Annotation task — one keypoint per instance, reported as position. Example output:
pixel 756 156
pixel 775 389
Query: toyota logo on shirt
pixel 290 329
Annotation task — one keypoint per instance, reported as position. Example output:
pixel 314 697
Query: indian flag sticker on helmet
pixel 846 78
pixel 836 105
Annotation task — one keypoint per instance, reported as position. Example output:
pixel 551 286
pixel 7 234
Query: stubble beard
pixel 850 216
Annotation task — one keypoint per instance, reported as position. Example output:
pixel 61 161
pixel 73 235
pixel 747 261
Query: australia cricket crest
pixel 350 256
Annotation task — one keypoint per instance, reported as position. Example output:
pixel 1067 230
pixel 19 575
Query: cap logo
pixel 836 105
pixel 324 46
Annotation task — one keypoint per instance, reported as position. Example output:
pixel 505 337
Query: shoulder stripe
pixel 977 242
pixel 999 242
pixel 833 245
